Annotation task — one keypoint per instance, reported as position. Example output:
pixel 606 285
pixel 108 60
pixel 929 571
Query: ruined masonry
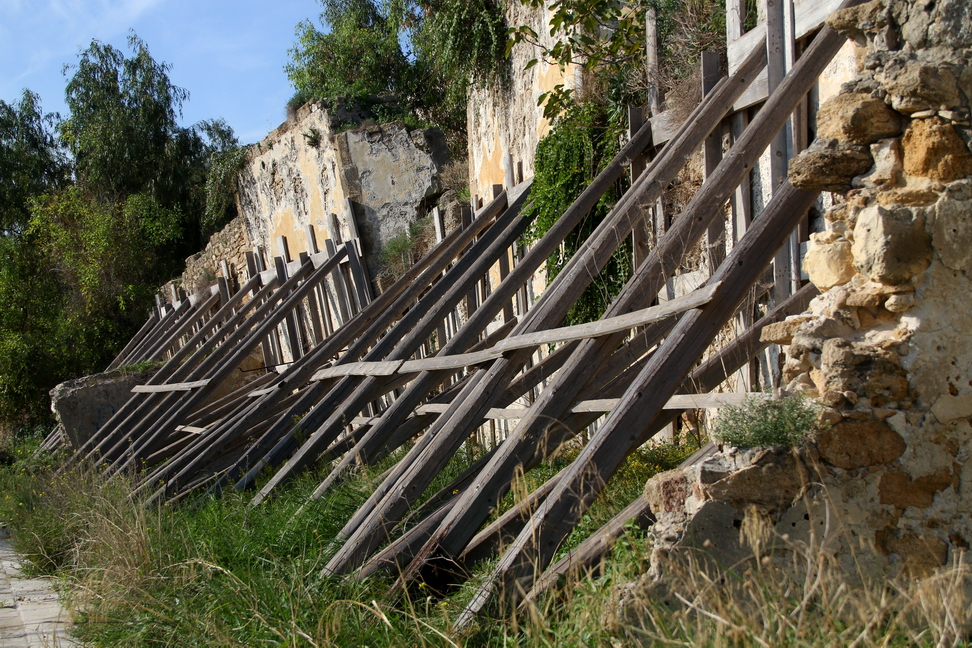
pixel 458 349
pixel 887 346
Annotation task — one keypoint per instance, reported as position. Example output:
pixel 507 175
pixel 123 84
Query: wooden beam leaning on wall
pixel 358 335
pixel 596 463
pixel 385 429
pixel 469 410
pixel 353 393
pixel 176 369
pixel 641 404
pixel 351 338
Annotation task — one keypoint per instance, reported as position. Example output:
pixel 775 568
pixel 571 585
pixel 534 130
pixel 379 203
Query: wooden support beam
pixel 715 237
pixel 410 332
pixel 452 428
pixel 641 404
pixel 360 333
pixel 169 387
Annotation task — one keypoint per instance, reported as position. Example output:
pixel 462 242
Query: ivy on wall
pixel 582 141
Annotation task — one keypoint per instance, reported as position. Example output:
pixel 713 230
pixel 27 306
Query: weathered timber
pixel 360 333
pixel 556 400
pixel 516 572
pixel 402 341
pixel 472 509
pixel 480 396
pixel 175 369
pixel 607 326
pixel 238 345
pixel 402 407
pixel 169 387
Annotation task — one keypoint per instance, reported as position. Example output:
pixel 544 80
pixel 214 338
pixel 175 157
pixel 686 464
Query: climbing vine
pixel 579 145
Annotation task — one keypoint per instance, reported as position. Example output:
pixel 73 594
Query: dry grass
pixel 225 575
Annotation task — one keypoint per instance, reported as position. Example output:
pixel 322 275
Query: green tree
pixel 31 160
pixel 358 53
pixel 425 52
pixel 86 239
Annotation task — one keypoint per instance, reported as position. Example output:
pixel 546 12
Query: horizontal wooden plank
pixel 610 325
pixel 192 429
pixel 564 334
pixel 172 387
pixel 676 402
pixel 379 368
pixel 436 363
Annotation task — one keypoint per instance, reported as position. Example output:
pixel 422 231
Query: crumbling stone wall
pixel 306 171
pixel 230 244
pixel 504 122
pixel 887 347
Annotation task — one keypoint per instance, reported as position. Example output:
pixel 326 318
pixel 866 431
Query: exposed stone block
pixel 828 263
pixel 932 149
pixel 781 332
pixel 846 22
pixel 891 246
pixel 82 406
pixel 856 444
pixel 857 119
pixel 900 490
pixel 952 233
pixel 863 370
pixel 829 165
pixel 921 87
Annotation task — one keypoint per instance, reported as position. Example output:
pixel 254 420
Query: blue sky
pixel 229 55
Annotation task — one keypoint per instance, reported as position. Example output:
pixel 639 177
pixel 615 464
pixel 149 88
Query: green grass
pixel 224 574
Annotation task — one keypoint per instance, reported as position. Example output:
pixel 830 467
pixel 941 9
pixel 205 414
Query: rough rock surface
pixel 84 405
pixel 891 246
pixel 934 150
pixel 370 181
pixel 857 118
pixel 829 165
pixel 887 346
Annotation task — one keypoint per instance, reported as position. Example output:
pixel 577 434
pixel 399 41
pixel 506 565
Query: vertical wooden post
pixel 320 292
pixel 340 290
pixel 334 229
pixel 742 216
pixel 640 233
pixel 290 329
pixel 776 70
pixel 362 287
pixel 651 59
pixel 471 297
pixel 254 264
pixel 715 238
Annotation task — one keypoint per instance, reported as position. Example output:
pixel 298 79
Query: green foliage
pixel 607 39
pixel 32 358
pixel 122 121
pixel 767 421
pixel 86 240
pixel 400 252
pixel 31 160
pixel 224 169
pixel 360 52
pixel 580 143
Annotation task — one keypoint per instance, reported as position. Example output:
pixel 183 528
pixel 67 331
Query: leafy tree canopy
pixel 96 211
pixel 426 53
pixel 32 160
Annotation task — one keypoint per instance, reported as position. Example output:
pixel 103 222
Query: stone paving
pixel 30 614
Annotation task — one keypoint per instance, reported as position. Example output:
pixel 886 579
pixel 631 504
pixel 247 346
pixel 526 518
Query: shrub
pixel 766 421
